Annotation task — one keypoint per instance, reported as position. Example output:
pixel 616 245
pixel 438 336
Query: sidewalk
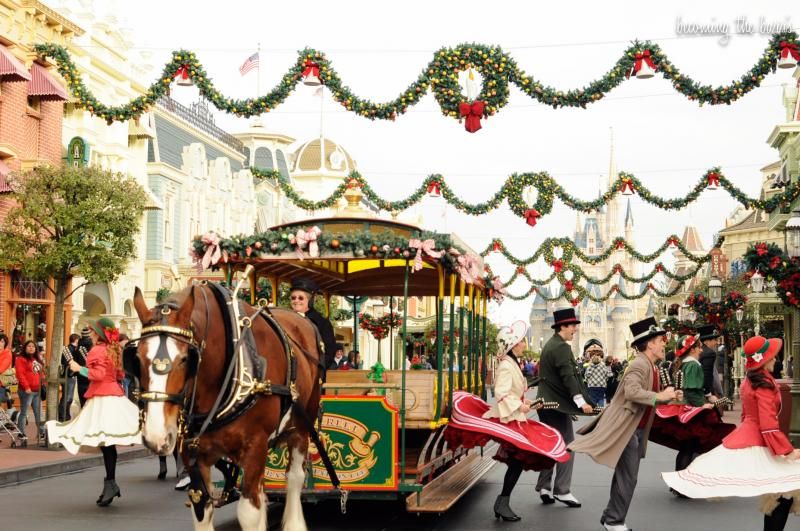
pixel 21 465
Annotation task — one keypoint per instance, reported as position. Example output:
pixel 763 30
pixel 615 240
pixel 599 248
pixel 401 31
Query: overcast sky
pixel 379 47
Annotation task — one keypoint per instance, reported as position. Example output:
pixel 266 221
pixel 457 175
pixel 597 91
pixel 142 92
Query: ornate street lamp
pixel 793 235
pixel 691 316
pixel 757 282
pixel 739 315
pixel 715 290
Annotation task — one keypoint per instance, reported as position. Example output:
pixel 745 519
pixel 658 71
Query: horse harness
pixel 244 381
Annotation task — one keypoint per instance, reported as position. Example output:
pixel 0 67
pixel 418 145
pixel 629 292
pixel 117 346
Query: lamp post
pixel 738 359
pixel 691 316
pixel 379 309
pixel 715 290
pixel 793 250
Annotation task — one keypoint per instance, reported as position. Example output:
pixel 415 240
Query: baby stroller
pixel 8 420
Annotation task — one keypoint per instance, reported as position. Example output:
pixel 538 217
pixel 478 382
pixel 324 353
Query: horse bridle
pixel 162 363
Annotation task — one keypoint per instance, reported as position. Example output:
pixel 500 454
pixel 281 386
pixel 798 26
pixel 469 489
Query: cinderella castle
pixel 607 321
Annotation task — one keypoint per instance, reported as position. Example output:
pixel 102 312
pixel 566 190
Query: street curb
pixel 26 474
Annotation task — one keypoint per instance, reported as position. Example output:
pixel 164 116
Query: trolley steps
pixel 445 490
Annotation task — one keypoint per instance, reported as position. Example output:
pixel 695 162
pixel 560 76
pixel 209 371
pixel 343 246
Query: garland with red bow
pixel 379 327
pixel 548 189
pixel 717 314
pixel 440 76
pixel 776 265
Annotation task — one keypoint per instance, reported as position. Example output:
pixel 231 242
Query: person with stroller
pixel 29 375
pixel 7 375
pixel 108 418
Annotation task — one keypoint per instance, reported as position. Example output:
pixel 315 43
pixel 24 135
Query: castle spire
pixel 629 215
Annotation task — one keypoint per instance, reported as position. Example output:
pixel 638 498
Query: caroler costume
pixel 689 428
pixel 750 461
pixel 108 417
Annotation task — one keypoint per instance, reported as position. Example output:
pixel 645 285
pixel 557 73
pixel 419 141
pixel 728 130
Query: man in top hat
pixel 710 337
pixel 618 438
pixel 301 298
pixel 560 381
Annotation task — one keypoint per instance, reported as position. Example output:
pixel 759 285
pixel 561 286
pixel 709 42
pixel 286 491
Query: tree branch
pixel 76 289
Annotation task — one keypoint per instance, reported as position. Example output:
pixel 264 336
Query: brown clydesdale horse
pixel 189 329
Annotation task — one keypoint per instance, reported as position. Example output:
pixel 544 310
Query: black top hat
pixel 592 342
pixel 565 317
pixel 645 329
pixel 304 284
pixel 708 332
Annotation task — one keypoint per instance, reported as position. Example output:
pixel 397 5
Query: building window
pixel 34 103
pixel 282 167
pixel 263 159
pixel 169 202
pixel 246 157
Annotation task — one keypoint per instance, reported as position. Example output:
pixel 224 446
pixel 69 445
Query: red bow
pixel 568 285
pixel 472 113
pixel 761 249
pixel 434 187
pixel 713 179
pixel 311 69
pixel 626 184
pixel 620 244
pixel 659 268
pixel 112 334
pixel 574 302
pixel 558 266
pixel 182 72
pixel 790 48
pixel 640 57
pixel 673 242
pixel 521 270
pixel 497 246
pixel 530 216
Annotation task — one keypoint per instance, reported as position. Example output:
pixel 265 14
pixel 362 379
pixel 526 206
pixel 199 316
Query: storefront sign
pixel 78 152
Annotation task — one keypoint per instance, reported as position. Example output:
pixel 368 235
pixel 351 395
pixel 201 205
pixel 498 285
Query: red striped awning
pixel 43 85
pixel 10 67
pixel 4 171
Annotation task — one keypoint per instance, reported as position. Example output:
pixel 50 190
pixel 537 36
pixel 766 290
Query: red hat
pixel 759 350
pixel 685 344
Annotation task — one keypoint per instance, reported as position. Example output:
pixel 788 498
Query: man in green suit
pixel 560 381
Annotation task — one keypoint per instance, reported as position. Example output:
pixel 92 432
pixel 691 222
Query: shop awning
pixel 44 86
pixel 10 67
pixel 4 171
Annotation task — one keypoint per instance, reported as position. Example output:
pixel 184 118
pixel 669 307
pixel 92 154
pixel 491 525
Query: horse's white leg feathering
pixel 250 517
pixel 293 519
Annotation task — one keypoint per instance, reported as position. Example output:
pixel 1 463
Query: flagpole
pixel 258 73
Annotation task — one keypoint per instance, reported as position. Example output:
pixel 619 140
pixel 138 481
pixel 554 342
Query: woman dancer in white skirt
pixel 756 459
pixel 108 418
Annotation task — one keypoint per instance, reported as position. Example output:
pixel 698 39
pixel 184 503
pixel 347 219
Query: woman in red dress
pixel 757 459
pixel 525 444
pixel 108 418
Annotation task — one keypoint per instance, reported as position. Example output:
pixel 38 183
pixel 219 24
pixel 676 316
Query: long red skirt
pixel 680 426
pixel 535 445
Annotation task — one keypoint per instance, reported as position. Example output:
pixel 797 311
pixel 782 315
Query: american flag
pixel 249 64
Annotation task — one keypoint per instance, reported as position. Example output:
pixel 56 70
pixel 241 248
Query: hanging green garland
pixel 440 76
pixel 547 187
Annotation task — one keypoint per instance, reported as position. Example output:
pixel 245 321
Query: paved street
pixel 66 503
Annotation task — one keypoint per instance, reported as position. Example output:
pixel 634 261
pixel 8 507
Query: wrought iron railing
pixel 200 116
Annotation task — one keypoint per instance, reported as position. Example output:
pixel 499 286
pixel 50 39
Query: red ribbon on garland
pixel 531 215
pixel 713 179
pixel 435 187
pixel 497 246
pixel 640 58
pixel 558 266
pixel 788 48
pixel 673 242
pixel 311 69
pixel 182 72
pixel 627 183
pixel 568 285
pixel 575 302
pixel 620 244
pixel 472 113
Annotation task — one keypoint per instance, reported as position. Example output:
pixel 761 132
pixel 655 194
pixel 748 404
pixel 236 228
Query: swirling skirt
pixel 680 426
pixel 103 421
pixel 742 472
pixel 535 445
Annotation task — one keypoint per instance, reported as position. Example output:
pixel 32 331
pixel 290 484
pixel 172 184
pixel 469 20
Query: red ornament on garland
pixel 311 74
pixel 531 215
pixel 713 180
pixel 472 113
pixel 335 244
pixel 643 66
pixel 626 186
pixel 373 249
pixel 789 55
pixel 182 77
pixel 248 250
pixel 434 188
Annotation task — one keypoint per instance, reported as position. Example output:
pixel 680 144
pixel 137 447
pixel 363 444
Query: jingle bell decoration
pixel 713 180
pixel 643 66
pixel 182 78
pixel 311 74
pixel 496 246
pixel 434 189
pixel 789 55
pixel 626 187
